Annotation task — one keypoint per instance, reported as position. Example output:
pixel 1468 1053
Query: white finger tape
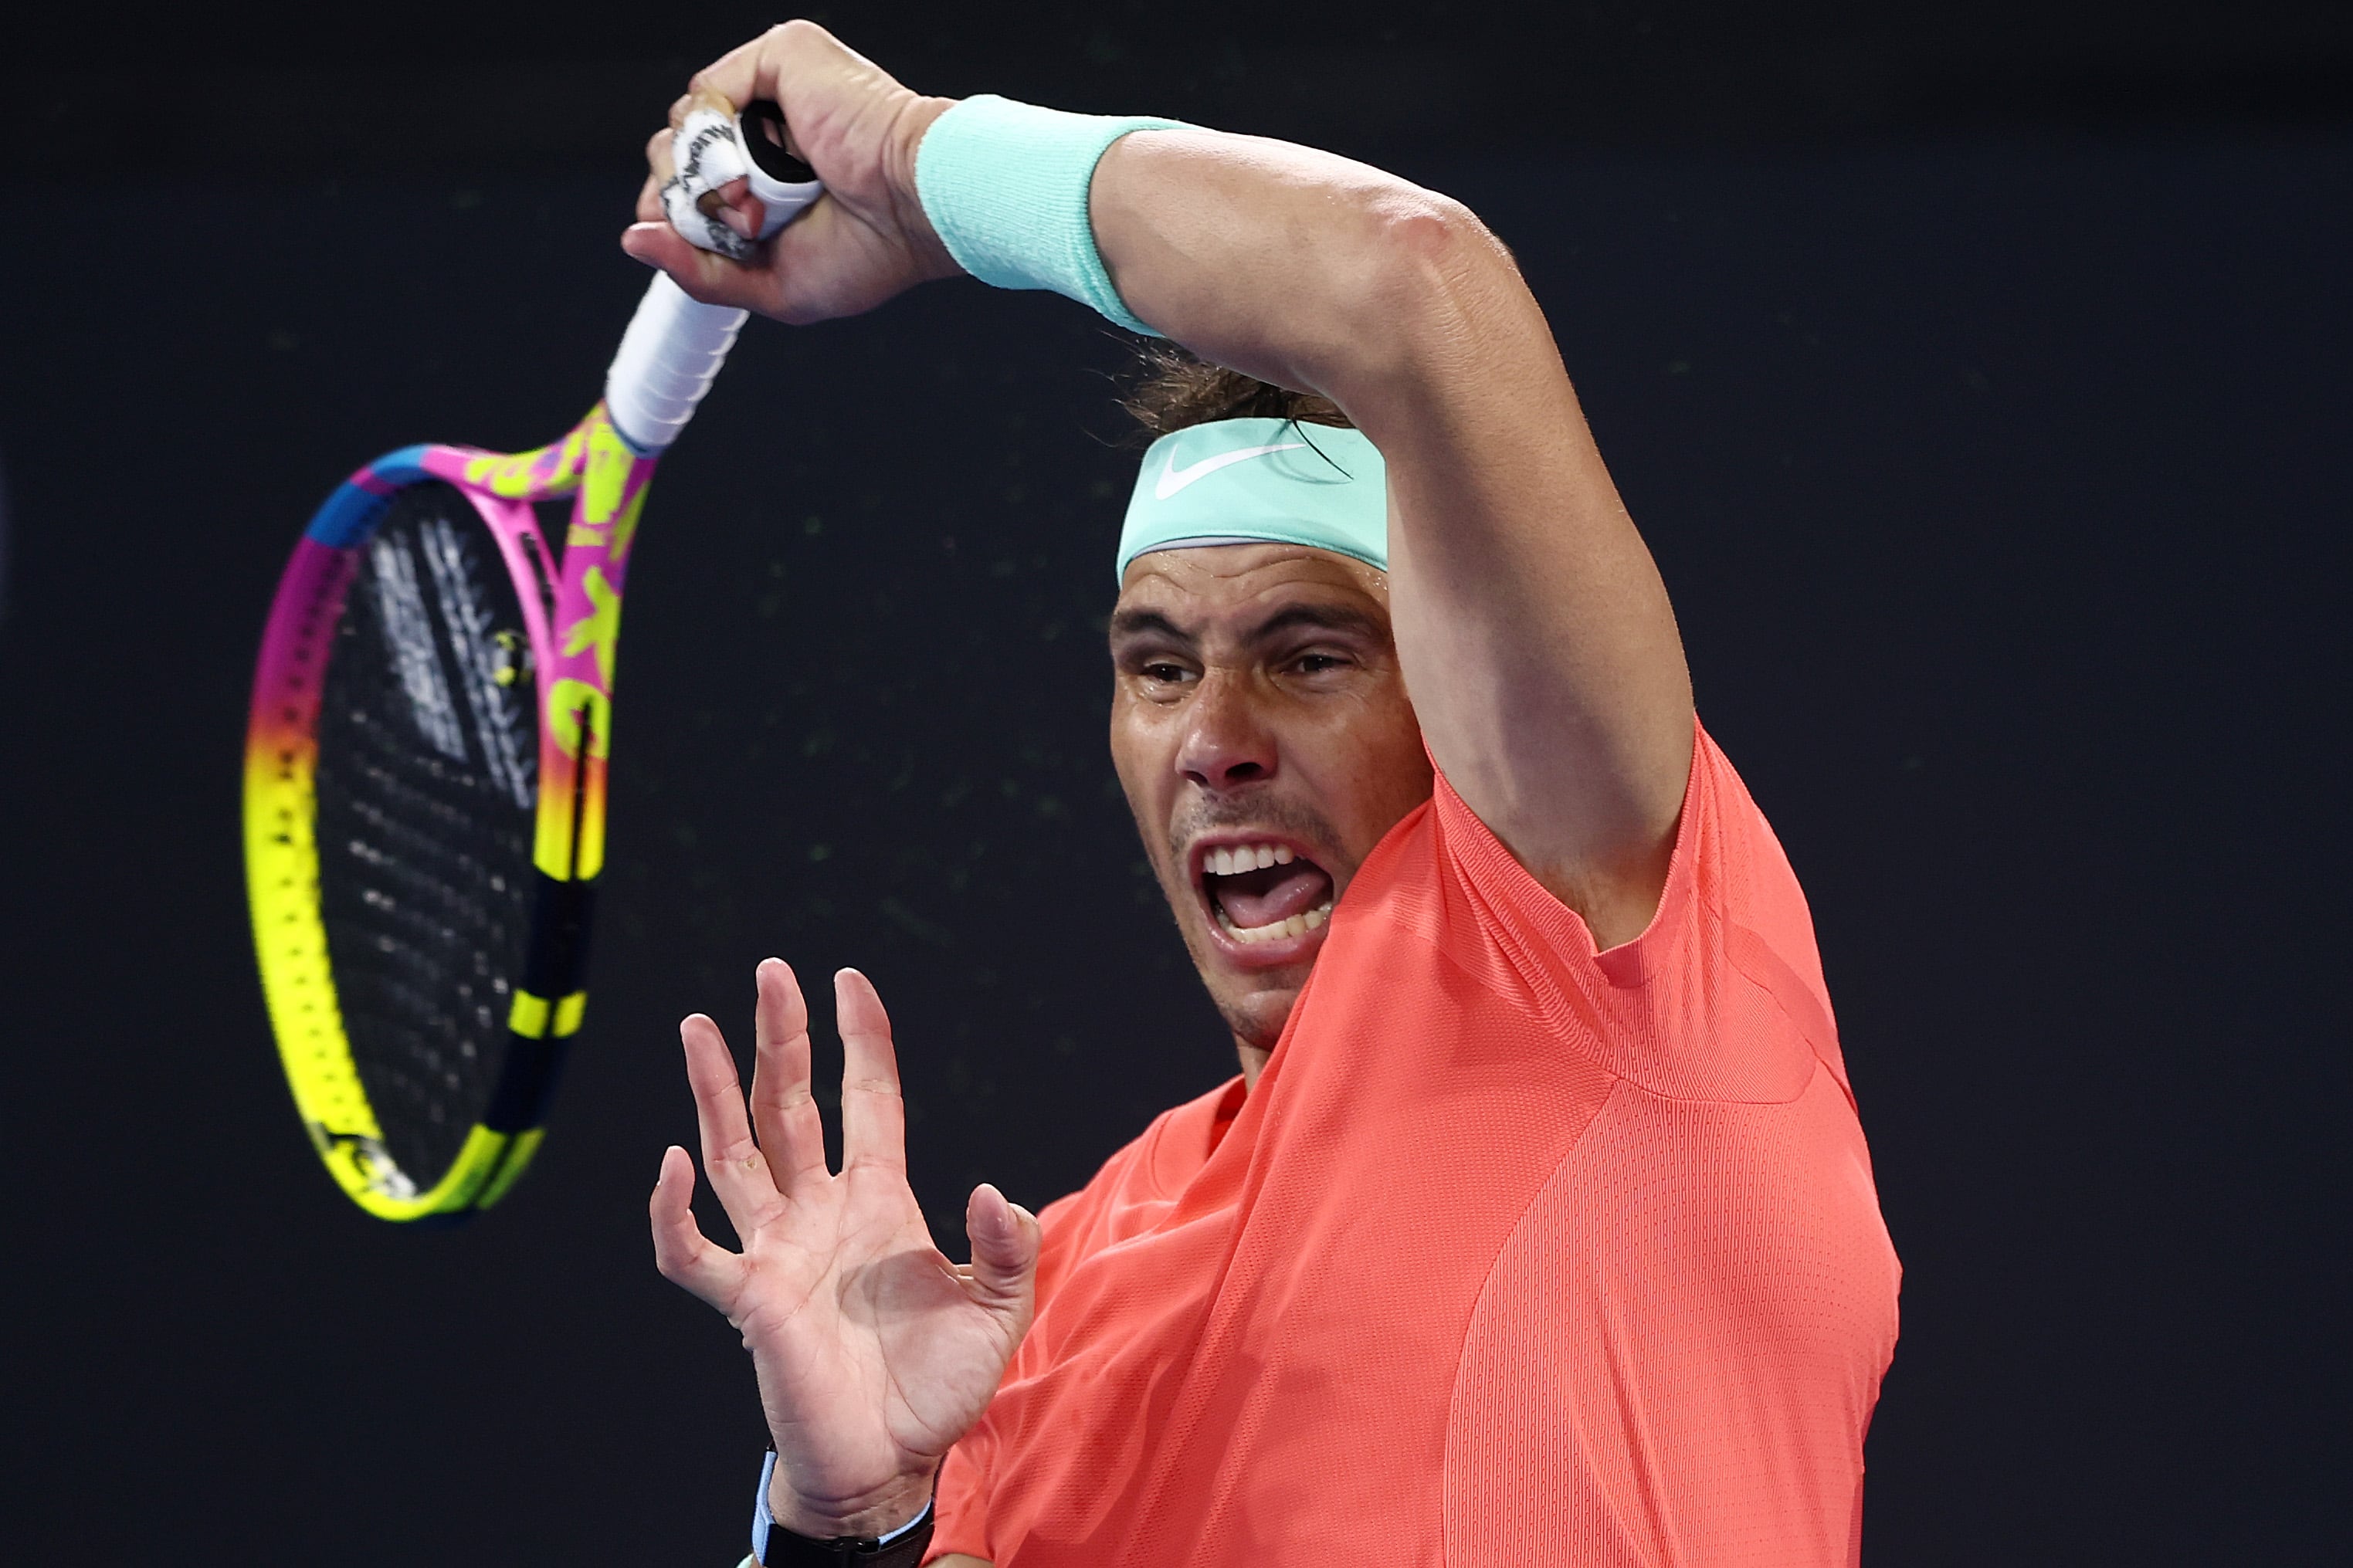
pixel 707 152
pixel 707 149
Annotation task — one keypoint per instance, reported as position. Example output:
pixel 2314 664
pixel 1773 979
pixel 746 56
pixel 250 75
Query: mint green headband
pixel 1250 481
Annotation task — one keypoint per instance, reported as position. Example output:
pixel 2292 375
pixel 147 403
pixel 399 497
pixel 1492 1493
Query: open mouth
pixel 1263 891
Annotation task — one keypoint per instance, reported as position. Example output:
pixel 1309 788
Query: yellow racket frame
pixel 574 650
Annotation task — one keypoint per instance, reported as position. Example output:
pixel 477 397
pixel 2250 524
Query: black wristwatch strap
pixel 783 1548
pixel 774 1546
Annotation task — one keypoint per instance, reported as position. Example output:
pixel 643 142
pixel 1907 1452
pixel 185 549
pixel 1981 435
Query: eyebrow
pixel 1320 617
pixel 1127 625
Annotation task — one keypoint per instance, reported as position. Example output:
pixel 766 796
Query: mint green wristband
pixel 1004 184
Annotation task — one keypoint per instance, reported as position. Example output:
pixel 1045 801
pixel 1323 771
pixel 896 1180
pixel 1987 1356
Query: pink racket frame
pixel 571 605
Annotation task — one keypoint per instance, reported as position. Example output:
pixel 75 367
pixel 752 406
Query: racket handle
pixel 672 349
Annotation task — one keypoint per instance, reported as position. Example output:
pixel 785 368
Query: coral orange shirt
pixel 1518 1253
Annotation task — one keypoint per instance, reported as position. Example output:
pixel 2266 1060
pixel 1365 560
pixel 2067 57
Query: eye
pixel 1164 672
pixel 1320 663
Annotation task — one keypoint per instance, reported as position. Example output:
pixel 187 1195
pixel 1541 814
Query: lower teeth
pixel 1297 925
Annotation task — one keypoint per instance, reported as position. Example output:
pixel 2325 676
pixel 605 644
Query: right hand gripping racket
pixel 424 776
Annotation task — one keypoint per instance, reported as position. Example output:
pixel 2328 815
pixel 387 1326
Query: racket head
pixel 423 829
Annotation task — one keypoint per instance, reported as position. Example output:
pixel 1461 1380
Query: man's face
pixel 1262 730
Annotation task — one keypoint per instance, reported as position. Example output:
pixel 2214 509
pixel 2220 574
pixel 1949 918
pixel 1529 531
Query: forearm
pixel 1310 270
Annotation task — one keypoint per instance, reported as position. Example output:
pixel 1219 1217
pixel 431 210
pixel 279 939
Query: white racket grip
pixel 672 349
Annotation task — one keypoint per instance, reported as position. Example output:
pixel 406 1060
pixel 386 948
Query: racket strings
pixel 427 748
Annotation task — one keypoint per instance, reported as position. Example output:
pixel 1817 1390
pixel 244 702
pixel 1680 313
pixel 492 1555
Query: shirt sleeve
pixel 1721 995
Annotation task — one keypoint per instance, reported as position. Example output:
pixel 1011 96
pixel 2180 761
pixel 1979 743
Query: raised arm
pixel 1534 631
pixel 1530 624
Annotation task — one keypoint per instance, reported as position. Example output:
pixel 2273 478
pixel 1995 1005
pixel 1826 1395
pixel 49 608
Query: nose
pixel 1227 743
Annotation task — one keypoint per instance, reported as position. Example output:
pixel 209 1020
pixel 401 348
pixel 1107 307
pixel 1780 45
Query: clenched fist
pixel 865 240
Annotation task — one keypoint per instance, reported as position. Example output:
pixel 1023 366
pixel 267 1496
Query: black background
pixel 1978 377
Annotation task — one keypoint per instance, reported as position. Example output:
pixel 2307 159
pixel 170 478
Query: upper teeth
pixel 1245 857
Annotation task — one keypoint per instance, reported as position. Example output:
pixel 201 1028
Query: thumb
pixel 1004 1238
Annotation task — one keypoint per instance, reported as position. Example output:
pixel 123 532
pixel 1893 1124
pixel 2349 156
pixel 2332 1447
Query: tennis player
pixel 1537 1227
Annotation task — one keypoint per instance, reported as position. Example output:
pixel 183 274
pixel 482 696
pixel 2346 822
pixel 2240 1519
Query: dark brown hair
pixel 1175 390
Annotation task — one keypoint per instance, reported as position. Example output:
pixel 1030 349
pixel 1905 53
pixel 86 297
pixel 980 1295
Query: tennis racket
pixel 426 767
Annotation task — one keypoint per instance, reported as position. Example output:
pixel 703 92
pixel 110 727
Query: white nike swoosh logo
pixel 1174 478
